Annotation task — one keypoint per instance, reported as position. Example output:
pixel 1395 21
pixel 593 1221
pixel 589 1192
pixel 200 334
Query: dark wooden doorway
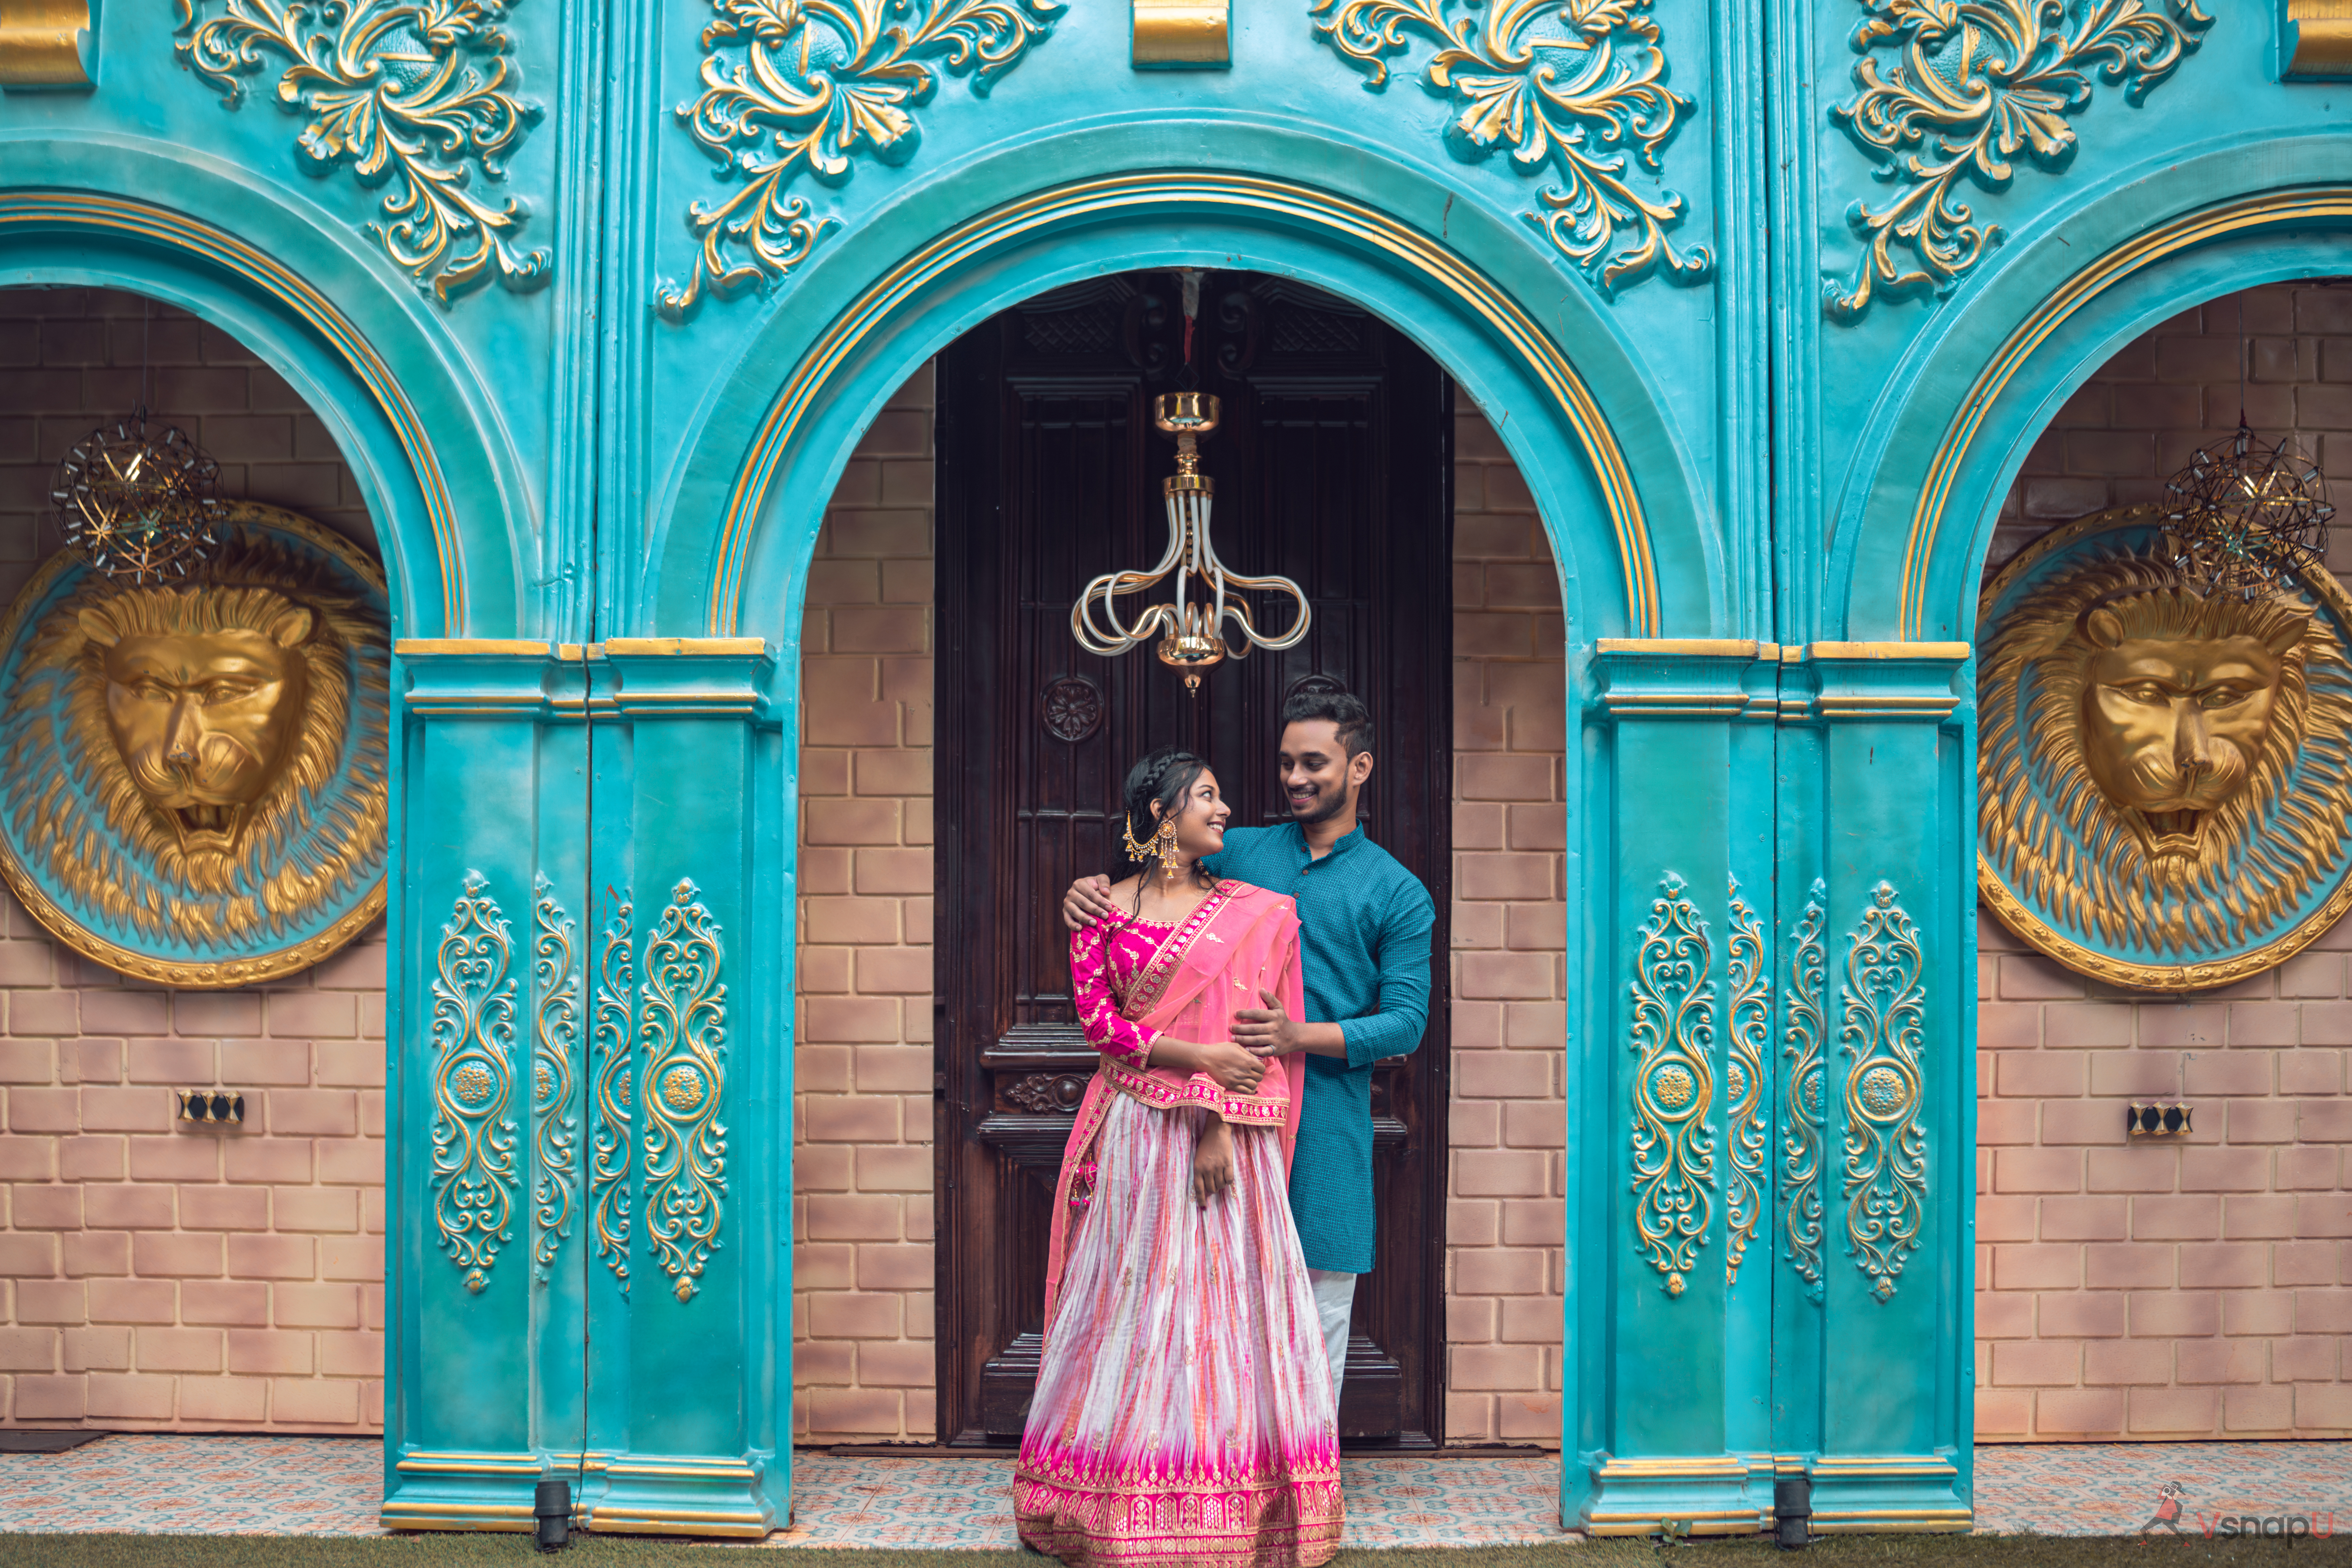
pixel 1334 467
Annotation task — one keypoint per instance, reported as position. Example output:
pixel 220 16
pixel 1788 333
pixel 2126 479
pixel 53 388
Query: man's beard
pixel 1325 808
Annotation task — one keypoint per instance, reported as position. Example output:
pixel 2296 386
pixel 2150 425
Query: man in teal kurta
pixel 1364 932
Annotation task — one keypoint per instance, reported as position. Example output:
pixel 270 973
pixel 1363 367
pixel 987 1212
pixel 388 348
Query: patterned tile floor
pixel 329 1486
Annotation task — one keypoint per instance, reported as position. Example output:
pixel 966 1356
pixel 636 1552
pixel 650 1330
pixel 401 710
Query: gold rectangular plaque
pixel 2316 38
pixel 1181 35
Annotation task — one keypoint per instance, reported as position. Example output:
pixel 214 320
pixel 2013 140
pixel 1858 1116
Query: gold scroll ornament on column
pixel 2165 782
pixel 1673 1086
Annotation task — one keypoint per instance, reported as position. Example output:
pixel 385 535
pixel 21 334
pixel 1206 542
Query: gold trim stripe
pixel 1202 189
pixel 2332 202
pixel 179 232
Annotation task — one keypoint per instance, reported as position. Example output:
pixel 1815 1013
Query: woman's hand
pixel 1213 1163
pixel 1234 1069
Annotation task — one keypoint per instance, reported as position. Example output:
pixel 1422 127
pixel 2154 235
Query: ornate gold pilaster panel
pixel 1673 1086
pixel 684 1031
pixel 1751 1021
pixel 473 1179
pixel 1885 1144
pixel 612 1042
pixel 1800 1139
pixel 555 1130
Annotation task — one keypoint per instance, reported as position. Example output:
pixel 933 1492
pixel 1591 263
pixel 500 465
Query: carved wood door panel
pixel 1333 466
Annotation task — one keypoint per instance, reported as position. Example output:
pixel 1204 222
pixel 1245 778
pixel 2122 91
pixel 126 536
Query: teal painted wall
pixel 1749 491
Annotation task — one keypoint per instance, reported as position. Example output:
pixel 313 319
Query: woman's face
pixel 1201 818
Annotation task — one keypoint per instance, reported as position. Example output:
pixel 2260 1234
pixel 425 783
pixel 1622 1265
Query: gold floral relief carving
pixel 613 1045
pixel 793 88
pixel 683 1027
pixel 1800 1140
pixel 414 96
pixel 1743 1086
pixel 555 1130
pixel 2165 785
pixel 1884 1038
pixel 1673 1086
pixel 1575 88
pixel 473 1133
pixel 1976 83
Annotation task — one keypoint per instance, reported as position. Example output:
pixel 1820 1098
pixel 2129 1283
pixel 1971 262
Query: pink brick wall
pixel 1504 1214
pixel 863 1271
pixel 2151 1290
pixel 153 1275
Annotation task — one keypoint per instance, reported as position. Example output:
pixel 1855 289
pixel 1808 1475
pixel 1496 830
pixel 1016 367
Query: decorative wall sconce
pixel 140 510
pixel 2157 1122
pixel 211 1105
pixel 1193 626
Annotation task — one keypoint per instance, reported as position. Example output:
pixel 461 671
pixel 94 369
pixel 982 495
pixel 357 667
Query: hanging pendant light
pixel 2246 516
pixel 1192 627
pixel 141 510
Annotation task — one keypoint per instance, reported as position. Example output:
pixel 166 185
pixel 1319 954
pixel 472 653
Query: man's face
pixel 2174 729
pixel 1318 777
pixel 203 721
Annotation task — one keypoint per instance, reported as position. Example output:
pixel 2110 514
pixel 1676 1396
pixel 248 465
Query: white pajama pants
pixel 1335 1301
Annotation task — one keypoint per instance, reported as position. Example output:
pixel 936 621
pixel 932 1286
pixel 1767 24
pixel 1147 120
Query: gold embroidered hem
pixel 1202 1090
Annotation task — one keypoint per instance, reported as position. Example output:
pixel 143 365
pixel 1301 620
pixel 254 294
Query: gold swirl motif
pixel 1885 1147
pixel 1556 80
pixel 610 1139
pixel 2164 798
pixel 1674 1025
pixel 1801 1142
pixel 555 1130
pixel 1743 1077
pixel 814 84
pixel 683 1029
pixel 473 1176
pixel 391 88
pixel 1979 84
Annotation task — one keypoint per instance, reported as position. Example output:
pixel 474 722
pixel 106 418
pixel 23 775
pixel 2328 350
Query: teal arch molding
pixel 1610 477
pixel 444 490
pixel 1918 511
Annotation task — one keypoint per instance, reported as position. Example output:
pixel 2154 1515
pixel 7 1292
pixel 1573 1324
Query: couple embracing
pixel 1214 1204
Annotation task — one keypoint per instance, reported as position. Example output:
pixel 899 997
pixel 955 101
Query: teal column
pixel 1877 823
pixel 1773 1119
pixel 592 1086
pixel 1667 1126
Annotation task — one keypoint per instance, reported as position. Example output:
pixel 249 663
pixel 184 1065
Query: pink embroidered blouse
pixel 1105 959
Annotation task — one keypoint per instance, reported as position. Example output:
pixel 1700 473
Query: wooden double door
pixel 1333 467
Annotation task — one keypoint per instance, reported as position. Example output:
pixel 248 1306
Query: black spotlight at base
pixel 553 1507
pixel 1792 1506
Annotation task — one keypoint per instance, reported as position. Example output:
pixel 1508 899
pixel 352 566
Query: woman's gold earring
pixel 1165 842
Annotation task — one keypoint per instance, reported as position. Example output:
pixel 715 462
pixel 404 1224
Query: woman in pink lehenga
pixel 1183 1409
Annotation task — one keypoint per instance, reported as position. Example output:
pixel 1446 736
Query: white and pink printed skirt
pixel 1183 1409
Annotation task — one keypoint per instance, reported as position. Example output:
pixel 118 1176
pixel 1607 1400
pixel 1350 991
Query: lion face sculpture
pixel 205 695
pixel 201 769
pixel 2161 774
pixel 2179 698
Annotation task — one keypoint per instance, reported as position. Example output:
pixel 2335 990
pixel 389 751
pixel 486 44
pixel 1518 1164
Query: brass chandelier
pixel 1192 627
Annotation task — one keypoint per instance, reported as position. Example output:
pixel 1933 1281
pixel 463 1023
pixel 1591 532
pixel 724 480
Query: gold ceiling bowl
pixel 196 791
pixel 1193 627
pixel 2166 790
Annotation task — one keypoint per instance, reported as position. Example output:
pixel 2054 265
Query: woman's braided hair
pixel 1166 776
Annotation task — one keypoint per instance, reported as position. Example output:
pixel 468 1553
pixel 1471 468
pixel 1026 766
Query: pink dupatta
pixel 1241 940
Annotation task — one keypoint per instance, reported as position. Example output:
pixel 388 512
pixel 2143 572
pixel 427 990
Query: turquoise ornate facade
pixel 597 301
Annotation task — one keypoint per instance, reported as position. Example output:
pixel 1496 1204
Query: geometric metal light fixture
pixel 140 510
pixel 1194 625
pixel 2246 515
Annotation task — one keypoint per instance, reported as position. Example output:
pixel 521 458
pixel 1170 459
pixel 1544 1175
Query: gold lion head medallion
pixel 196 788
pixel 2166 796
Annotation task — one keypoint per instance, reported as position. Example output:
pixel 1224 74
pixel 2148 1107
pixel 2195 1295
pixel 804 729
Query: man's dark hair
pixel 1343 708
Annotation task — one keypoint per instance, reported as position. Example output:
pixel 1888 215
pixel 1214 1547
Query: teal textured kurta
pixel 1364 928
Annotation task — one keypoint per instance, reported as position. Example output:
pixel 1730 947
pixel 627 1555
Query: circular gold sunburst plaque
pixel 2164 775
pixel 193 789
